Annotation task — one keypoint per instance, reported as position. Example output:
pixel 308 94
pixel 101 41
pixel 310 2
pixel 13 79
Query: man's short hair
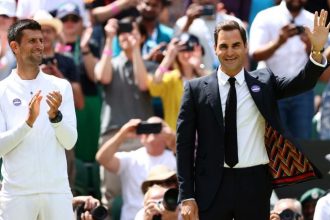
pixel 15 31
pixel 229 25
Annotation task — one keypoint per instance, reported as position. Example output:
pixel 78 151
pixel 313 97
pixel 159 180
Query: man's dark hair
pixel 229 25
pixel 15 31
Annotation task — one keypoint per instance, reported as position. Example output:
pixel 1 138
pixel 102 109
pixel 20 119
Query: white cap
pixel 44 18
pixel 8 7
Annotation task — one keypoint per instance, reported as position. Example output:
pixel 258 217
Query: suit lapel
pixel 256 90
pixel 212 92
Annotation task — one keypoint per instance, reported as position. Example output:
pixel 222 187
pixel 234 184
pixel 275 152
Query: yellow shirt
pixel 170 90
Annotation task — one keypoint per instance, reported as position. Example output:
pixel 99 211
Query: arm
pixel 89 59
pixel 106 155
pixel 103 13
pixel 186 137
pixel 78 96
pixel 11 138
pixel 65 130
pixel 186 132
pixel 139 69
pixel 267 50
pixel 103 69
pixel 193 12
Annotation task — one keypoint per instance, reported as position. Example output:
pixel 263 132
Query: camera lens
pixel 170 201
pixel 99 213
pixel 287 214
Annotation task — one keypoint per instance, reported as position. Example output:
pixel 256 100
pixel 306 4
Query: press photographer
pixel 287 209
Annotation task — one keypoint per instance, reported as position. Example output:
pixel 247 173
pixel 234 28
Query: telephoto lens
pixel 170 200
pixel 98 213
pixel 288 214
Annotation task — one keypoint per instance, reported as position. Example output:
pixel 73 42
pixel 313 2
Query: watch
pixel 57 118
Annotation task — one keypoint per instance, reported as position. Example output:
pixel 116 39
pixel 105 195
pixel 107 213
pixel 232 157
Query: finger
pixel 316 19
pixel 52 101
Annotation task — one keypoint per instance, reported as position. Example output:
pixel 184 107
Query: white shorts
pixel 37 207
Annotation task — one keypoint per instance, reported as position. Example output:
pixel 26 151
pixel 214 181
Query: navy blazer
pixel 200 160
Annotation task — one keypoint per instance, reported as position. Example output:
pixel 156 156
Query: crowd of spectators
pixel 127 62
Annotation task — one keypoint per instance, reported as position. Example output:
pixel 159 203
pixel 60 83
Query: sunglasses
pixel 73 18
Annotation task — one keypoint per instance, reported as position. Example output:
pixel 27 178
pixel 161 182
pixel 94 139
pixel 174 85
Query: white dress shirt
pixel 250 122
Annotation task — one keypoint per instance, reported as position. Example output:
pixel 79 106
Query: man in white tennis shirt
pixel 37 123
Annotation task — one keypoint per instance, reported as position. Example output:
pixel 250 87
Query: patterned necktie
pixel 231 156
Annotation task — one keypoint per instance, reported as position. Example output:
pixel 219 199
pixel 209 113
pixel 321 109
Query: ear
pixel 14 46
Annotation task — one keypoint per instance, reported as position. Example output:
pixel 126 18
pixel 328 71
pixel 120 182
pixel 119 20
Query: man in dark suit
pixel 229 172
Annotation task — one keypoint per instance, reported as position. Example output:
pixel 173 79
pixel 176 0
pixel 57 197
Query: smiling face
pixel 231 51
pixel 30 48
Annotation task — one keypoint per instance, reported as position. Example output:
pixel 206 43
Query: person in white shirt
pixel 133 166
pixel 37 123
pixel 278 39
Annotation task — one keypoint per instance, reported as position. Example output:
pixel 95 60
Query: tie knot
pixel 231 81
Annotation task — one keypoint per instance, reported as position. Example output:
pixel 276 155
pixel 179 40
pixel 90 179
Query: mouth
pixel 230 60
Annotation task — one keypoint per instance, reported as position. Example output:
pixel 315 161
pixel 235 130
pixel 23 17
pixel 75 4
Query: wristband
pixel 162 69
pixel 115 9
pixel 107 52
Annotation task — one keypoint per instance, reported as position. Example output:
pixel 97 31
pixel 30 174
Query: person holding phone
pixel 133 167
pixel 182 62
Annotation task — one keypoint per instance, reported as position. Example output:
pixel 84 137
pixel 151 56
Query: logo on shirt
pixel 255 88
pixel 17 102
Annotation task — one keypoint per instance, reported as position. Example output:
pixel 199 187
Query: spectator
pixel 150 11
pixel 7 18
pixel 184 54
pixel 308 201
pixel 126 93
pixel 270 41
pixel 134 166
pixel 202 26
pixel 33 142
pixel 286 209
pixel 322 209
pixel 153 207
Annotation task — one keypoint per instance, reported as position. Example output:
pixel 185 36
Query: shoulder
pixel 58 82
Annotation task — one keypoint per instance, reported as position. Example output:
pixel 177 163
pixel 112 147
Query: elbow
pixel 100 158
pixel 72 141
pixel 143 87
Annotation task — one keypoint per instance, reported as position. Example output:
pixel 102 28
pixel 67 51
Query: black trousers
pixel 244 194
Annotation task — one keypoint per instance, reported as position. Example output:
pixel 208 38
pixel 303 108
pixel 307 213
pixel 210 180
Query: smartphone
pixel 49 61
pixel 124 27
pixel 148 128
pixel 300 29
pixel 208 10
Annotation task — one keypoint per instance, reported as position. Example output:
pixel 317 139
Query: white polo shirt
pixel 34 158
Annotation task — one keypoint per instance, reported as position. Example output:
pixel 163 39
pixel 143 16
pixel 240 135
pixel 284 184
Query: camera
pixel 98 213
pixel 170 201
pixel 288 214
pixel 49 61
pixel 124 27
pixel 300 29
pixel 148 128
pixel 208 10
pixel 189 40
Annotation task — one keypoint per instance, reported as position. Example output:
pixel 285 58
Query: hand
pixel 319 35
pixel 129 129
pixel 274 216
pixel 135 37
pixel 51 69
pixel 111 28
pixel 189 210
pixel 86 216
pixel 90 202
pixel 193 11
pixel 54 100
pixel 86 36
pixel 34 109
pixel 151 208
pixel 286 32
